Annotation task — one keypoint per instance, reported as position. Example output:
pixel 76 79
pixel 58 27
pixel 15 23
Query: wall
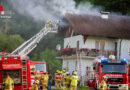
pixel 125 48
pixel 89 43
pixel 71 66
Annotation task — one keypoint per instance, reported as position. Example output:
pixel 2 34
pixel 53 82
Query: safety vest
pixel 38 76
pixel 8 84
pixel 67 79
pixel 74 80
pixel 103 85
pixel 44 80
pixel 58 76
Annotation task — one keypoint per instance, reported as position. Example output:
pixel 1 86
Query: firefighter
pixel 44 81
pixel 74 81
pixel 57 71
pixel 49 23
pixel 63 78
pixel 36 84
pixel 103 84
pixel 8 83
pixel 67 80
pixel 38 77
pixel 58 79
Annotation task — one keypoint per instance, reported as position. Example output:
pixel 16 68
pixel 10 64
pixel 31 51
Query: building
pixel 90 36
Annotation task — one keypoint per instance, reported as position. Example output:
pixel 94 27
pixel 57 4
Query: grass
pixel 79 88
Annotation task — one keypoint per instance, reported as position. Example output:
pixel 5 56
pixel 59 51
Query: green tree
pixel 53 63
pixel 10 42
pixel 120 6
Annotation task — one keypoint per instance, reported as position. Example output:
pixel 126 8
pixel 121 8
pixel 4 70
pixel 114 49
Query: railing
pixel 85 52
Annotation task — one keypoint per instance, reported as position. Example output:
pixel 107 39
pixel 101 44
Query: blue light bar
pixel 103 60
pixel 123 60
pixel 43 60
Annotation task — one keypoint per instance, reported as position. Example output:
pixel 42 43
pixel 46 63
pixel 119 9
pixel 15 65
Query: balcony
pixel 85 52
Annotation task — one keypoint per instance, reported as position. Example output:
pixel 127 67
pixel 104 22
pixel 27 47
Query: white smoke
pixel 51 9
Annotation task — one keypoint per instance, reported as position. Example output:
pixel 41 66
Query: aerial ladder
pixel 30 44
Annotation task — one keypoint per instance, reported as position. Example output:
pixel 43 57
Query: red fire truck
pixel 116 71
pixel 18 69
pixel 17 64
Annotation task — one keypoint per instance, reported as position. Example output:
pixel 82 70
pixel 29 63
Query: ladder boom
pixel 30 44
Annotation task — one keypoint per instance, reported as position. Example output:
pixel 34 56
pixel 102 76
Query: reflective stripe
pixel 74 80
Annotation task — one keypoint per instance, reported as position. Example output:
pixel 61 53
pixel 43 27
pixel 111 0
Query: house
pixel 90 36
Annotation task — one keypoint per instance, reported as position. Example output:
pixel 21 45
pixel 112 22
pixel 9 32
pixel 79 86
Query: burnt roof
pixel 115 26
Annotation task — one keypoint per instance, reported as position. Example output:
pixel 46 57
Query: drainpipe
pixel 120 49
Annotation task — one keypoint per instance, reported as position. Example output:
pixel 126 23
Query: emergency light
pixel 123 60
pixel 43 60
pixel 103 60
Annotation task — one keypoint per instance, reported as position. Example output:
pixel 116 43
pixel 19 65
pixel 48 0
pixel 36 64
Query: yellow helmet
pixel 75 73
pixel 57 71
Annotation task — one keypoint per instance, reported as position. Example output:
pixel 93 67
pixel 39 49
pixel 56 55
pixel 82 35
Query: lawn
pixel 80 88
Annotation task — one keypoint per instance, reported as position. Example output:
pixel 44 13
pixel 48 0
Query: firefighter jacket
pixel 58 77
pixel 67 79
pixel 74 80
pixel 44 80
pixel 9 84
pixel 103 85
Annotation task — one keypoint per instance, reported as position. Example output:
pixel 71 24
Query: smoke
pixel 42 10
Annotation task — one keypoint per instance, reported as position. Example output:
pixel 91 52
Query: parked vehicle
pixel 116 71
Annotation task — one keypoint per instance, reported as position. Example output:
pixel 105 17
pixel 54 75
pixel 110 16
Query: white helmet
pixel 37 81
pixel 111 57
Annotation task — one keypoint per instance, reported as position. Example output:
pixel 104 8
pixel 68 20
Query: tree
pixel 10 42
pixel 120 6
pixel 53 63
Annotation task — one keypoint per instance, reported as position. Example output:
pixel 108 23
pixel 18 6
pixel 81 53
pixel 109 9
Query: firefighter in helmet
pixel 67 80
pixel 63 78
pixel 44 80
pixel 48 23
pixel 74 81
pixel 103 84
pixel 8 83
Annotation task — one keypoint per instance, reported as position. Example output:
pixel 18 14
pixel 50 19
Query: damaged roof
pixel 115 26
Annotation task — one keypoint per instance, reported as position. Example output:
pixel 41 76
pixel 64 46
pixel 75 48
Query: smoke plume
pixel 42 10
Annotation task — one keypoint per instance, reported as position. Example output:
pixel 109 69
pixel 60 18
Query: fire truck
pixel 116 71
pixel 17 63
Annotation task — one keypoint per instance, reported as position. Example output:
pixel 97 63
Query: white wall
pixel 125 47
pixel 89 43
pixel 73 41
pixel 84 63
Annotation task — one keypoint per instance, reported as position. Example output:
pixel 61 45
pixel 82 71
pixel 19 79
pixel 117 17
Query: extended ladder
pixel 79 66
pixel 30 44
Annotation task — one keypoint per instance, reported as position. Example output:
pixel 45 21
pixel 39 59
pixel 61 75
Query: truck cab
pixel 116 71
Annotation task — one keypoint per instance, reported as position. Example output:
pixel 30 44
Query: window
pixel 100 44
pixel 77 45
